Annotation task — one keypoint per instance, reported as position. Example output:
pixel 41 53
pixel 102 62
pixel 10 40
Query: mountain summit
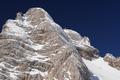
pixel 34 47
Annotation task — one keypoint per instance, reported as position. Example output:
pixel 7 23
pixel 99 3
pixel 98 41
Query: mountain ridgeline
pixel 34 47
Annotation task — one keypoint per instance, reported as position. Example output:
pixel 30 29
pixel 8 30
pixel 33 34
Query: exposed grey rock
pixel 112 61
pixel 82 44
pixel 34 47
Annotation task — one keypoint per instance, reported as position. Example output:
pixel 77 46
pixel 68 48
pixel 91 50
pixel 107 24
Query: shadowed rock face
pixel 112 61
pixel 34 47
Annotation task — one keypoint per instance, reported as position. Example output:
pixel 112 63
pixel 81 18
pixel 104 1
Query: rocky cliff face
pixel 112 61
pixel 34 47
pixel 82 44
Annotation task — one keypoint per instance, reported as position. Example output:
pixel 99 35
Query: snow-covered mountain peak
pixel 34 47
pixel 76 38
pixel 38 13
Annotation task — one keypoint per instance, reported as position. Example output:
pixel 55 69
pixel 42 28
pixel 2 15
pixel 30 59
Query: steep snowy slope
pixel 101 70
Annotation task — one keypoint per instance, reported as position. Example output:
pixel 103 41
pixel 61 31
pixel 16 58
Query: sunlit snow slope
pixel 102 70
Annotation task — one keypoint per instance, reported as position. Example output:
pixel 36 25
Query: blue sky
pixel 97 19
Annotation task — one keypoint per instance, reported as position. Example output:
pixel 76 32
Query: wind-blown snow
pixel 69 74
pixel 13 29
pixel 102 70
pixel 77 39
pixel 35 71
pixel 37 57
pixel 12 75
pixel 37 46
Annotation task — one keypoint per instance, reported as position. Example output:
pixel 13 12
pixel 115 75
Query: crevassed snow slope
pixel 102 70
